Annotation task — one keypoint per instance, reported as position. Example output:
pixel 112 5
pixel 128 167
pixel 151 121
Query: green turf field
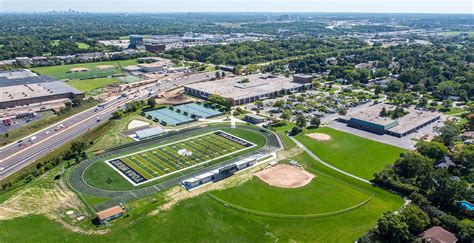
pixel 64 71
pixel 201 218
pixel 102 176
pixel 90 84
pixel 167 159
pixel 356 155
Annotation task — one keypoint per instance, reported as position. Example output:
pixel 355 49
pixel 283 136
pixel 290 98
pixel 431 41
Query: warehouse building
pixel 25 94
pixel 22 76
pixel 247 89
pixel 369 119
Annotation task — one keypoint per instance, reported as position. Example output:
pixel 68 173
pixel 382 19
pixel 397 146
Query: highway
pixel 19 154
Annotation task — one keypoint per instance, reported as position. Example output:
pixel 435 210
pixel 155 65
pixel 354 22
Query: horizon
pixel 241 6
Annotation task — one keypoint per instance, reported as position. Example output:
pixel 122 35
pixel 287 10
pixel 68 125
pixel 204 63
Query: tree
pixel 151 102
pixel 394 86
pixel 286 115
pixel 258 103
pixel 218 99
pixel 315 121
pixel 392 228
pixel 433 150
pixel 378 90
pixel 279 104
pixel 416 219
pixel 413 165
pixel 117 115
pixel 465 156
pixel 301 121
pixel 218 75
pixel 383 112
pixel 448 134
pixel 238 70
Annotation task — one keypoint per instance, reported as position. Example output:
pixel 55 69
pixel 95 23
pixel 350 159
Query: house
pixel 109 214
pixel 437 234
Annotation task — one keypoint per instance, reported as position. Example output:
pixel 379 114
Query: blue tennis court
pixel 198 110
pixel 168 117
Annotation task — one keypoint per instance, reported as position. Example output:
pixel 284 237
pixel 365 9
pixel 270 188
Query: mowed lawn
pixel 322 195
pixel 91 84
pixel 353 154
pixel 63 71
pixel 202 219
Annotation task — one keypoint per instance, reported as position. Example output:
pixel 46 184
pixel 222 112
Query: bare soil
pixel 285 176
pixel 319 136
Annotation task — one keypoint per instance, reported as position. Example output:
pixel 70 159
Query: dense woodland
pixel 38 34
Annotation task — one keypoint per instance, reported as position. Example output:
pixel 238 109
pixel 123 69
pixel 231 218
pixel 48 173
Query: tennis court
pixel 168 117
pixel 154 163
pixel 198 110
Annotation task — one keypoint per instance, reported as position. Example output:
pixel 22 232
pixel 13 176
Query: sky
pixel 365 6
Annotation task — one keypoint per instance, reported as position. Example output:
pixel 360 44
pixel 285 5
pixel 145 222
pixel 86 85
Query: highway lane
pixel 13 157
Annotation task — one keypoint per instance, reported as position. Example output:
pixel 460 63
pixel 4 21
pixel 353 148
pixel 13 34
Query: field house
pixel 164 160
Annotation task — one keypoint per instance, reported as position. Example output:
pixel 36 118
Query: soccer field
pixel 154 163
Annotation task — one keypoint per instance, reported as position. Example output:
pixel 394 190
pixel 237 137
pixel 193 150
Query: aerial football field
pixel 157 162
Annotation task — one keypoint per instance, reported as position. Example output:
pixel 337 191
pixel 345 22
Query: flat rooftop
pixel 372 114
pixel 410 121
pixel 23 76
pixel 236 88
pixel 27 91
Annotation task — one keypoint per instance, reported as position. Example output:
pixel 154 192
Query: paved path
pixel 326 164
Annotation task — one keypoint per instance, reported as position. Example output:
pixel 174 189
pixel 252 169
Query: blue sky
pixel 386 6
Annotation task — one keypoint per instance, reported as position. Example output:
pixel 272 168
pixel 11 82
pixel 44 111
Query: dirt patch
pixel 78 70
pixel 174 97
pixel 104 66
pixel 285 176
pixel 319 136
pixel 137 124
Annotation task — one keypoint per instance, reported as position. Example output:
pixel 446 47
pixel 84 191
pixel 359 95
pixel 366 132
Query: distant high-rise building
pixel 135 41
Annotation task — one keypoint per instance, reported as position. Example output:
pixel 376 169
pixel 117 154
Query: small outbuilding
pixel 254 119
pixel 109 214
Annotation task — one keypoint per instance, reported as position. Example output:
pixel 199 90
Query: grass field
pixel 451 33
pixel 83 45
pixel 281 131
pixel 356 155
pixel 91 84
pixel 200 219
pixel 101 175
pixel 167 159
pixel 63 71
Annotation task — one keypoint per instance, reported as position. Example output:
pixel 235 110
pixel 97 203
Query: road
pixel 19 154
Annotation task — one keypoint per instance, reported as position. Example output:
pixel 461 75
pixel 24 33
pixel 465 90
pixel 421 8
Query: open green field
pixel 356 155
pixel 202 219
pixel 451 33
pixel 90 84
pixel 101 175
pixel 83 45
pixel 167 159
pixel 64 71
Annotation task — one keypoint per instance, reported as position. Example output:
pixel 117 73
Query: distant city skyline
pixel 156 6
